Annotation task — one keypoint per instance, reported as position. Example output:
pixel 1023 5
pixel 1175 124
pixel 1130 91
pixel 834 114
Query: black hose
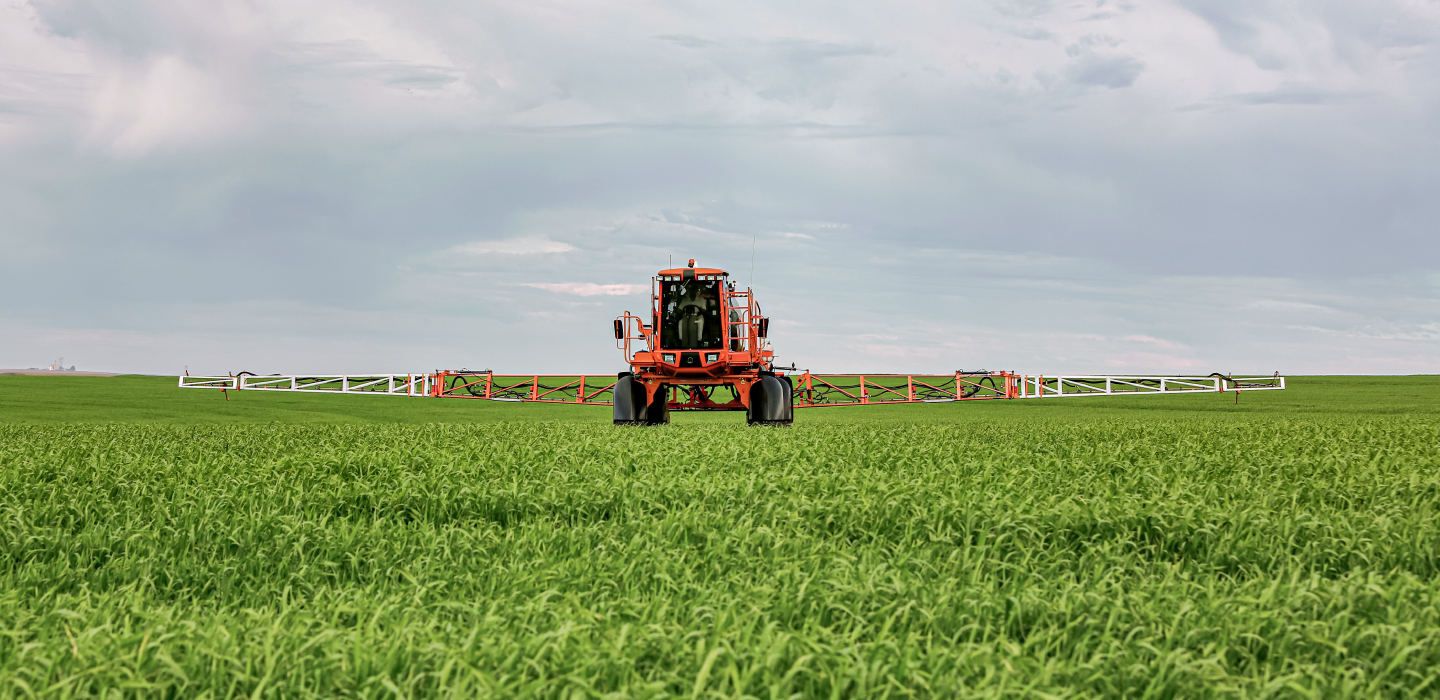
pixel 973 389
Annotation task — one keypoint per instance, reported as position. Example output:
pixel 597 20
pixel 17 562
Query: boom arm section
pixel 810 390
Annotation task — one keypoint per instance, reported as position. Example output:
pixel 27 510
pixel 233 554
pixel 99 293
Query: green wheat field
pixel 160 542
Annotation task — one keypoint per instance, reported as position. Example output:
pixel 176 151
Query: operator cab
pixel 692 317
pixel 690 313
pixel 700 328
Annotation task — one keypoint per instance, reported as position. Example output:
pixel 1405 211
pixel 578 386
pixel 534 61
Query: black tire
pixel 628 409
pixel 772 402
pixel 630 406
pixel 658 412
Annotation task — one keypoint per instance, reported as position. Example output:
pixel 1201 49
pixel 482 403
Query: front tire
pixel 658 412
pixel 628 410
pixel 630 406
pixel 772 402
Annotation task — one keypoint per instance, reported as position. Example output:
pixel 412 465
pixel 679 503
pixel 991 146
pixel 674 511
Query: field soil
pixel 188 543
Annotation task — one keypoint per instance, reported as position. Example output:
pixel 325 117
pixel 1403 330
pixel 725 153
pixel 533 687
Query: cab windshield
pixel 690 315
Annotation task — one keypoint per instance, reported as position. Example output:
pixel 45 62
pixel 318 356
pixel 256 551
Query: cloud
pixel 168 101
pixel 514 246
pixel 689 42
pixel 1170 363
pixel 1096 63
pixel 589 289
pixel 1157 342
pixel 1289 95
pixel 1105 71
pixel 1282 305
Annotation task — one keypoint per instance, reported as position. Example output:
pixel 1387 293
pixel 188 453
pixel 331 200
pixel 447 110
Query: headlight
pixel 711 357
pixel 668 357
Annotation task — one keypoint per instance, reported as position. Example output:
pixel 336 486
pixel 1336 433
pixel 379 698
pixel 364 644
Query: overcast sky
pixel 1151 186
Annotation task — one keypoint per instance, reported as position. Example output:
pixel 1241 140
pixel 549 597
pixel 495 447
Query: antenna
pixel 752 259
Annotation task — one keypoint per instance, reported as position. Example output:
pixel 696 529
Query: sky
pixel 1173 187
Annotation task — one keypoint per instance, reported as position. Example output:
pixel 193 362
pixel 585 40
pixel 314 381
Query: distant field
pixel 276 545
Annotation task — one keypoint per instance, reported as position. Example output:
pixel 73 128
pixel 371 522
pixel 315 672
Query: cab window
pixel 690 315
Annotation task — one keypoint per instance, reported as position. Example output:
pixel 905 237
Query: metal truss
pixel 866 389
pixel 542 388
pixel 810 390
pixel 381 384
pixel 1041 387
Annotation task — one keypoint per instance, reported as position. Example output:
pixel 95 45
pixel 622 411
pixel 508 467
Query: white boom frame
pixel 372 384
pixel 1066 386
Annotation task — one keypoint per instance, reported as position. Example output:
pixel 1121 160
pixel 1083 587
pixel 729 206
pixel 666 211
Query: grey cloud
pixel 421 77
pixel 1033 33
pixel 795 71
pixel 1024 8
pixel 687 41
pixel 1237 24
pixel 326 53
pixel 1352 32
pixel 812 51
pixel 1105 71
pixel 360 59
pixel 131 29
pixel 1023 18
pixel 1287 96
pixel 1096 63
pixel 37 93
pixel 1090 42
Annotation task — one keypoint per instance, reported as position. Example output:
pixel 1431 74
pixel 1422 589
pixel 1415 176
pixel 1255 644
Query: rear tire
pixel 772 402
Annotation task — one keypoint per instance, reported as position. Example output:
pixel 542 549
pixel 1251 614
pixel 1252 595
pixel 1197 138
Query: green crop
pixel 1196 550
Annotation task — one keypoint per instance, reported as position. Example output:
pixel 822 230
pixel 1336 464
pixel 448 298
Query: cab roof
pixel 697 270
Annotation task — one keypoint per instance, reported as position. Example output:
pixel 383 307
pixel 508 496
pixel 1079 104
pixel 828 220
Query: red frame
pixel 739 365
pixel 739 368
